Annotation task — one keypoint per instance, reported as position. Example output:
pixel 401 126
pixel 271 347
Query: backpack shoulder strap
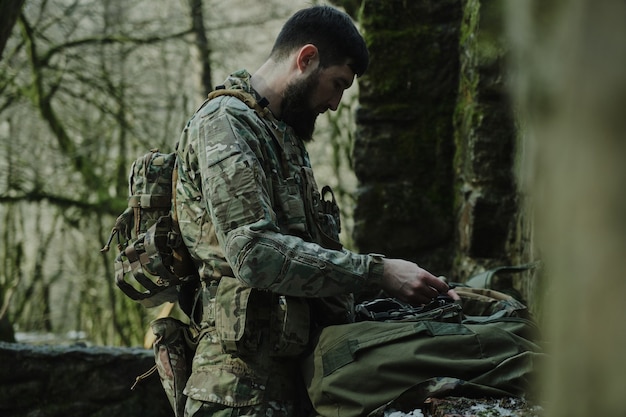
pixel 242 95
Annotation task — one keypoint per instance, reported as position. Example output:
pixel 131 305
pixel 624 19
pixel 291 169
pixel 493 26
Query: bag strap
pixel 483 280
pixel 241 95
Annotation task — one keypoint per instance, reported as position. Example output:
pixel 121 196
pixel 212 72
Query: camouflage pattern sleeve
pixel 233 150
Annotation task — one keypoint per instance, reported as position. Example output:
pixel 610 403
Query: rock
pixel 51 381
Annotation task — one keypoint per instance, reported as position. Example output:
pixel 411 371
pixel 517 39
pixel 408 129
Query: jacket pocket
pixel 290 325
pixel 231 313
pixel 223 378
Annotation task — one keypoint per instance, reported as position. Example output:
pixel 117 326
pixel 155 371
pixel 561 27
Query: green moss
pixel 466 113
pixel 407 100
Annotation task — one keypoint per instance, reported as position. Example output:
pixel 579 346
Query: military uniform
pixel 265 241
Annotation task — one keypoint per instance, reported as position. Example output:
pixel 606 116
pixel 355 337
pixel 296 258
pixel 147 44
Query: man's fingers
pixel 411 283
pixel 454 295
pixel 438 285
pixel 434 292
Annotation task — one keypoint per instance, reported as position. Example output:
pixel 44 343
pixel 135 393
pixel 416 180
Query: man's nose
pixel 333 104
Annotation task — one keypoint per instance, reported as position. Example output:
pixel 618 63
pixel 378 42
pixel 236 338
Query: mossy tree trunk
pixel 492 227
pixel 437 139
pixel 404 144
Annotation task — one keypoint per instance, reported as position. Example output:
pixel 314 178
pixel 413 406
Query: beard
pixel 296 108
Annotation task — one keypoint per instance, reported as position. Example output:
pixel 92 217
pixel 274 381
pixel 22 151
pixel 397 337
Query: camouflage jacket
pixel 250 213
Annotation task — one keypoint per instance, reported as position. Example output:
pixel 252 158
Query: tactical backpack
pixel 151 250
pixel 153 261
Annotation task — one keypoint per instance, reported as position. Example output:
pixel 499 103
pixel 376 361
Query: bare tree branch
pixel 43 101
pixel 109 40
pixel 107 206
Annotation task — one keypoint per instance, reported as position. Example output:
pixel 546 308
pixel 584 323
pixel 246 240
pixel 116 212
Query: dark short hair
pixel 330 30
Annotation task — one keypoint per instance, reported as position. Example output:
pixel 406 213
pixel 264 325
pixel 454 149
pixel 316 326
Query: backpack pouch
pixel 173 350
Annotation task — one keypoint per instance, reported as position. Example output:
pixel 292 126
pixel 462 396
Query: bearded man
pixel 264 238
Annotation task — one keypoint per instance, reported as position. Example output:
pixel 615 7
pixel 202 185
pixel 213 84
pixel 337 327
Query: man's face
pixel 304 99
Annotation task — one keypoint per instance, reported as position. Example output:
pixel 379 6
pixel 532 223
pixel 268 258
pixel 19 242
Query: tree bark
pixel 202 43
pixel 9 11
pixel 571 84
pixel 404 144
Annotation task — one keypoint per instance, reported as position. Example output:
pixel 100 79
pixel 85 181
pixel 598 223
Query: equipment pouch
pixel 290 325
pixel 324 214
pixel 174 348
pixel 293 206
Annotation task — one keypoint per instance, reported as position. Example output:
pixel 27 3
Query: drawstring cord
pixel 143 376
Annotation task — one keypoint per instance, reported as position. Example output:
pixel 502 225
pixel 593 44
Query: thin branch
pixel 43 101
pixel 110 40
pixel 108 206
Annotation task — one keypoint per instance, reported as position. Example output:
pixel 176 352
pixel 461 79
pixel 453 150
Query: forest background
pixel 86 86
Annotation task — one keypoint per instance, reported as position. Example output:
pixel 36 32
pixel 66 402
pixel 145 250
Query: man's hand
pixel 409 283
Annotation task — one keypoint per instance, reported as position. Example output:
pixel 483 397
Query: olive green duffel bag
pixel 357 369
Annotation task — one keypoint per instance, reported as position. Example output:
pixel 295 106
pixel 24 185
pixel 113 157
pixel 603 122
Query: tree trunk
pixel 9 11
pixel 202 44
pixel 404 143
pixel 572 87
pixel 437 140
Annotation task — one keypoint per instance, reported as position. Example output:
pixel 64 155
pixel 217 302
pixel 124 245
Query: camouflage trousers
pixel 232 385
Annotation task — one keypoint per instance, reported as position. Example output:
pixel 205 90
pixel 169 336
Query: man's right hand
pixel 410 283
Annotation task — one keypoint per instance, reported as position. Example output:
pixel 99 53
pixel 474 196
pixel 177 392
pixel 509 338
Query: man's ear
pixel 308 58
